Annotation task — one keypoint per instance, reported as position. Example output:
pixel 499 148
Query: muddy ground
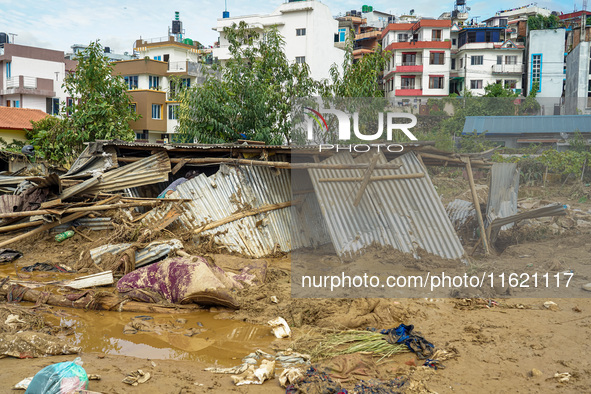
pixel 499 341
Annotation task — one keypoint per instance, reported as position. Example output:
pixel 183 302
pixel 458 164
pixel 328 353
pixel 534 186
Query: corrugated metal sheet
pixel 231 190
pixel 552 124
pixel 502 191
pixel 92 161
pixel 10 203
pixel 459 211
pixel 152 169
pixel 95 224
pixel 153 252
pixel 405 214
pixel 550 210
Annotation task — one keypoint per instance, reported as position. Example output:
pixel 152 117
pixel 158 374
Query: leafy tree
pixel 252 97
pixel 100 110
pixel 540 22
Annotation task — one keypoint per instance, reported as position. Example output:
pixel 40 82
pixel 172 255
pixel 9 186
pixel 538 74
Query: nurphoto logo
pixel 392 120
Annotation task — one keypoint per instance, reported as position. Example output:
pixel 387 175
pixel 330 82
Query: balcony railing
pixel 415 63
pixel 408 87
pixel 21 81
pixel 177 66
pixel 507 68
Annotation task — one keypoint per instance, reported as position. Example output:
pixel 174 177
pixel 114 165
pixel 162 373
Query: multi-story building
pixel 112 56
pixel 419 66
pixel 577 92
pixel 153 80
pixel 32 77
pixel 480 57
pixel 366 38
pixel 546 67
pixel 310 32
pixel 515 20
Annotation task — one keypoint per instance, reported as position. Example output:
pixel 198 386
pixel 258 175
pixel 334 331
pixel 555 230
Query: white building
pixel 420 63
pixel 32 77
pixel 309 31
pixel 481 57
pixel 578 80
pixel 546 66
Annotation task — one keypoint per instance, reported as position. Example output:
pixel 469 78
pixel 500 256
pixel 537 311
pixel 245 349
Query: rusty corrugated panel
pixel 550 210
pixel 406 214
pixel 502 192
pixel 10 203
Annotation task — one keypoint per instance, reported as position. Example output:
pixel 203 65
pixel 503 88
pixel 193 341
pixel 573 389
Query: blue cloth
pixel 172 186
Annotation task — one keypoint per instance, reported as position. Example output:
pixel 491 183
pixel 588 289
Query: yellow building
pixel 14 122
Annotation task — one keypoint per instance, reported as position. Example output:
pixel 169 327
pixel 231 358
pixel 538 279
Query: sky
pixel 59 24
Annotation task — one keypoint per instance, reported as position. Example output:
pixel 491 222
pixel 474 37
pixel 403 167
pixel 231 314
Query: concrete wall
pixel 550 44
pixel 577 80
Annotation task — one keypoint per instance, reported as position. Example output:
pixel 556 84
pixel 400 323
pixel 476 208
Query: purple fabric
pixel 172 278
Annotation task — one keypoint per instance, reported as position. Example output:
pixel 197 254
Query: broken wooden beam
pixel 247 213
pixel 276 164
pixel 81 209
pixel 477 206
pixel 375 178
pixel 366 179
pixel 99 279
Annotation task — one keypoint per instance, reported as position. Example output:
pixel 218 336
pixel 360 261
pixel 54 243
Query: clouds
pixel 59 24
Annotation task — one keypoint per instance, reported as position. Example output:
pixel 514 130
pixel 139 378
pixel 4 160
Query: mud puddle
pixel 221 341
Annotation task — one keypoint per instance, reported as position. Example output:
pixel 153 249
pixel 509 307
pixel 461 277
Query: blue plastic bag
pixel 60 378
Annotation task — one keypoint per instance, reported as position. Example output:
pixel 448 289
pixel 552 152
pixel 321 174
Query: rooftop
pixel 527 124
pixel 19 118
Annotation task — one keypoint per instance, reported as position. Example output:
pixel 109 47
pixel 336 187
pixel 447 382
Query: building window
pixel 154 82
pixel 133 108
pixel 435 35
pixel 55 106
pixel 476 84
pixel 187 82
pixel 536 71
pixel 173 112
pixel 300 32
pixel 69 105
pixel 510 59
pixel 436 58
pixel 142 135
pixel 500 59
pixel 131 81
pixel 453 64
pixel 409 59
pixel 8 69
pixel 435 82
pixel 461 63
pixel 402 37
pixel 510 84
pixel 476 60
pixel 158 58
pixel 157 111
pixel 407 82
pixel 454 42
pixel 342 34
pixel 16 103
pixel 300 59
pixel 471 36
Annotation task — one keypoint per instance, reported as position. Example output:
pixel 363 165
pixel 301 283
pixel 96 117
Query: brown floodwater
pixel 223 342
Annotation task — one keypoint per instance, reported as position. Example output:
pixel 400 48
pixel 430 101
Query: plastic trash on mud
pixel 60 378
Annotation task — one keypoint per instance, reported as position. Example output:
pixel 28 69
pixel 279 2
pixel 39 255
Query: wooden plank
pixel 51 204
pixel 5 229
pixel 179 165
pixel 49 226
pixel 100 279
pixel 376 178
pixel 477 206
pixel 82 209
pixel 277 164
pixel 243 214
pixel 366 179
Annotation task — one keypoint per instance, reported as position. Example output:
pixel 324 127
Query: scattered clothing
pixel 172 187
pixel 375 386
pixel 315 382
pixel 403 335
